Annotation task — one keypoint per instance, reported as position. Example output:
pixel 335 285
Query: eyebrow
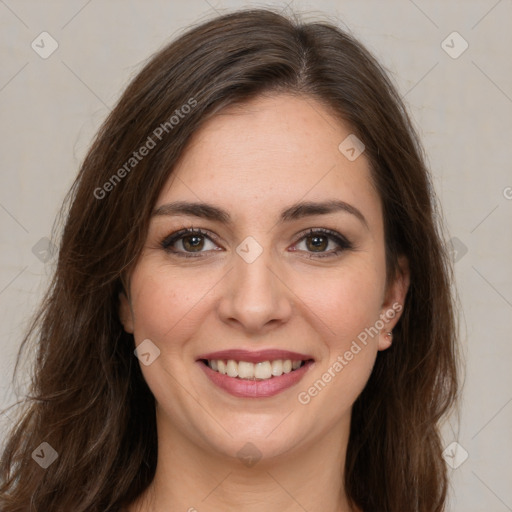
pixel 294 212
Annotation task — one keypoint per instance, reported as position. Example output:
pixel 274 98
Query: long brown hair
pixel 88 399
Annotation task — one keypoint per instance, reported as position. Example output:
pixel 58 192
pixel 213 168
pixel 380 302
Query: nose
pixel 255 298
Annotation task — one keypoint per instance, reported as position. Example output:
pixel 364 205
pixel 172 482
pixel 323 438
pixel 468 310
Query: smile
pixel 251 374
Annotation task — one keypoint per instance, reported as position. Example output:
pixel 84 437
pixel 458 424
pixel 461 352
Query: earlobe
pixel 385 340
pixel 125 312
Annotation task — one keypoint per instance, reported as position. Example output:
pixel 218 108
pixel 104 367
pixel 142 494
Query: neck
pixel 190 479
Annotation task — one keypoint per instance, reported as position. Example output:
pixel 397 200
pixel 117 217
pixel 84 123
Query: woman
pixel 251 308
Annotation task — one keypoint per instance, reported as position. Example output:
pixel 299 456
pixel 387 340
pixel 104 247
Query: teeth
pixel 263 370
pixel 232 368
pixel 221 366
pixel 245 370
pixel 277 368
pixel 254 371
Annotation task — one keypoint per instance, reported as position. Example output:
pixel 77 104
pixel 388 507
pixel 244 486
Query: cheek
pixel 347 306
pixel 345 301
pixel 166 302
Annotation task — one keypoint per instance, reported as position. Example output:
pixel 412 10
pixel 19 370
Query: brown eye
pixel 317 243
pixel 189 242
pixel 323 243
pixel 193 243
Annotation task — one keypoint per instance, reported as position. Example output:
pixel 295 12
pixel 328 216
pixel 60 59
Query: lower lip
pixel 255 388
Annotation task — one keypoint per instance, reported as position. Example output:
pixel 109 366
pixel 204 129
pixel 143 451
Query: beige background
pixel 462 106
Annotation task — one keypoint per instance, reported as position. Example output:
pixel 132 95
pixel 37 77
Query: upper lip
pixel 256 356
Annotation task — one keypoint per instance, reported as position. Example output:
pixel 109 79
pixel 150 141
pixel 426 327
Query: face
pixel 265 252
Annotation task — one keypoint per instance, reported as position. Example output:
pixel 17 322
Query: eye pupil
pixel 319 242
pixel 193 242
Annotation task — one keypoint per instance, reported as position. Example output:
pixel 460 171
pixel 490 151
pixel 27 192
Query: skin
pixel 254 161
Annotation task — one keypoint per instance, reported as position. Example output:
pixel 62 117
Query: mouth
pixel 255 374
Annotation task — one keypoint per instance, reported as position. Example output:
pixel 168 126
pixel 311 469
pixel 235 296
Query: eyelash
pixel 340 240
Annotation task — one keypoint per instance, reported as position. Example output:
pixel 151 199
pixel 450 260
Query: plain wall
pixel 462 107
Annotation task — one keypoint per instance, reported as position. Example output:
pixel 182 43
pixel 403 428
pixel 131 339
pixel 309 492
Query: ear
pixel 125 312
pixel 393 305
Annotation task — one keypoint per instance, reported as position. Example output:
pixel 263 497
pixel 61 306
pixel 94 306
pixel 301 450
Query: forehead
pixel 269 152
